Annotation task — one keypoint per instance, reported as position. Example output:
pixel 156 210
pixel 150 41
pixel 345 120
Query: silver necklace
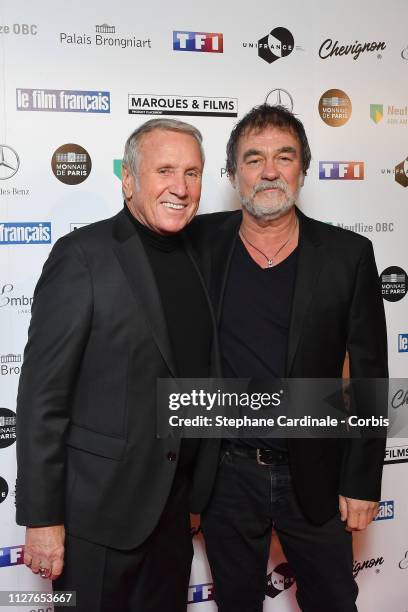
pixel 270 260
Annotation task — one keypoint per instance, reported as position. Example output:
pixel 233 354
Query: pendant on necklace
pixel 270 263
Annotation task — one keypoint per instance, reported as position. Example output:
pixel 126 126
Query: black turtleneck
pixel 185 308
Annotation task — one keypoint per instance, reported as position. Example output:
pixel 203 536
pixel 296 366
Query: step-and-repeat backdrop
pixel 76 78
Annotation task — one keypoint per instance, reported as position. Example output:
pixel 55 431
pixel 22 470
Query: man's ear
pixel 128 183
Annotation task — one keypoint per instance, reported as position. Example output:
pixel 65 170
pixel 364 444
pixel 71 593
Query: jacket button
pixel 171 456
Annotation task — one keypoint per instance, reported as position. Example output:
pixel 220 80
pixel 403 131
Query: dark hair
pixel 261 117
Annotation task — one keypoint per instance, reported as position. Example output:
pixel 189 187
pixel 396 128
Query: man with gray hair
pixel 104 500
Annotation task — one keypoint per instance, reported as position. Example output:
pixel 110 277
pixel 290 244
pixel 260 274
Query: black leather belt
pixel 263 456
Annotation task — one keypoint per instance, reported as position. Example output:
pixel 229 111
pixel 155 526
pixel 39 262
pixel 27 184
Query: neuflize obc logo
pixel 25 232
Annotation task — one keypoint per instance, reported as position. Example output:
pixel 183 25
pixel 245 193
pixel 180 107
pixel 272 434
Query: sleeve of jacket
pixel 60 324
pixel 367 347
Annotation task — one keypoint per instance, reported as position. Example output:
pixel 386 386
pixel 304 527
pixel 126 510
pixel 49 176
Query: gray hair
pixel 131 153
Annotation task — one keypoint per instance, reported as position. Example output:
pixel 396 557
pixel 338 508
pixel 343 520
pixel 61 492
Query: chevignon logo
pixel 329 48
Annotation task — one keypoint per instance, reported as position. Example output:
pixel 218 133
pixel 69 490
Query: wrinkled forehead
pixel 269 134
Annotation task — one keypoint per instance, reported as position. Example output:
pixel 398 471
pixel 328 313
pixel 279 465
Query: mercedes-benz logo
pixel 9 162
pixel 280 97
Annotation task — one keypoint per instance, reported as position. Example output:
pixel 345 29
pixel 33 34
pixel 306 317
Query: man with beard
pixel 292 295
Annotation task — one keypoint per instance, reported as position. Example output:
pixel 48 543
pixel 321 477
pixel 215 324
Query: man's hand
pixel 357 512
pixel 44 550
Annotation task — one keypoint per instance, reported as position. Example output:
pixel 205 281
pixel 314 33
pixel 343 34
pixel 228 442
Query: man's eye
pixel 164 171
pixel 254 161
pixel 193 174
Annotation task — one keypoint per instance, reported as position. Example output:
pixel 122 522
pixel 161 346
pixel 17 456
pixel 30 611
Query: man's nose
pixel 270 171
pixel 178 186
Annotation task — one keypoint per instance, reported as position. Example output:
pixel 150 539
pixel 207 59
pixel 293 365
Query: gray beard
pixel 259 211
pixel 264 212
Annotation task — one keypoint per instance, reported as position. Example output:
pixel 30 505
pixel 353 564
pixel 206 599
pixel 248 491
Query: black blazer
pixel 337 305
pixel 87 450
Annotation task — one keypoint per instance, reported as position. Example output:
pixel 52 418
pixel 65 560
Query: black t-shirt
pixel 255 323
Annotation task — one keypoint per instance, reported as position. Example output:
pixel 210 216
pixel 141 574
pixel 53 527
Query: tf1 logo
pixel 209 42
pixel 341 170
pixel 11 555
pixel 198 593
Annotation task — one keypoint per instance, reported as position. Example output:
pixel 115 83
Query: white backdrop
pixel 115 57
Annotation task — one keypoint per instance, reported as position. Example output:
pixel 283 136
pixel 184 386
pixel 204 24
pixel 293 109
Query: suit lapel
pixel 139 274
pixel 215 369
pixel 220 259
pixel 310 261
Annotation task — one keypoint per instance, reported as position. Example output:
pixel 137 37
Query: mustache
pixel 276 184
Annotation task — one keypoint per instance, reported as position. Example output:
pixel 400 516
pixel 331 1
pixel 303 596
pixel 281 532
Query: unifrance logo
pixel 281 579
pixel 25 233
pixel 401 172
pixel 62 101
pixel 386 510
pixel 204 42
pixel 278 43
pixel 341 170
pixel 403 343
pixel 11 555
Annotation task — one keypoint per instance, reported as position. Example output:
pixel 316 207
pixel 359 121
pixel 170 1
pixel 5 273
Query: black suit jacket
pixel 337 306
pixel 87 450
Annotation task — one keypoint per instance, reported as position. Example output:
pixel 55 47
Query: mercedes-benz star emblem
pixel 280 97
pixel 9 162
